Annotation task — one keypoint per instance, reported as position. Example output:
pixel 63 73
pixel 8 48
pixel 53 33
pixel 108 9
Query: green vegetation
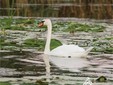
pixel 103 45
pixel 100 45
pixel 40 44
pixel 55 43
pixel 28 84
pixel 9 45
pixel 16 24
pixel 37 83
pixel 73 27
pixel 29 24
pixel 3 43
pixel 5 83
pixel 108 38
pixel 35 43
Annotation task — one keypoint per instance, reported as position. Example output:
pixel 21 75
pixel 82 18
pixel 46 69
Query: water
pixel 27 65
pixel 22 65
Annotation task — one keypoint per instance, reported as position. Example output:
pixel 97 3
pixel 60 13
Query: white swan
pixel 63 50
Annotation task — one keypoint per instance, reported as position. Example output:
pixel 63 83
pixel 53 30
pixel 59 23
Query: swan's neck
pixel 47 46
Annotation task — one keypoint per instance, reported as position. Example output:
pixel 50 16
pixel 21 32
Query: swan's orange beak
pixel 40 24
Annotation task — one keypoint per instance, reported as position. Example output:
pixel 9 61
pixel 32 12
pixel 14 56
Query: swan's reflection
pixel 47 64
pixel 70 64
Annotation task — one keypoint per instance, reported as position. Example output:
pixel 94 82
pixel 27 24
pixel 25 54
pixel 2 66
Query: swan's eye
pixel 40 24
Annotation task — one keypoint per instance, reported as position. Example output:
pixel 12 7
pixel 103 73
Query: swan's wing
pixel 89 49
pixel 67 50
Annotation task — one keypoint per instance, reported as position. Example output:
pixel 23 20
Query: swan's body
pixel 67 50
pixel 63 50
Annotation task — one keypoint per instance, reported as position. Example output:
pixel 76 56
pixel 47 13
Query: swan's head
pixel 46 22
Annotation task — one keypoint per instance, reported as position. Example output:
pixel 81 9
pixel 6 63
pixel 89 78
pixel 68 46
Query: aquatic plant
pixel 60 26
pixel 1 42
pixel 28 24
pixel 16 24
pixel 101 79
pixel 34 43
pixel 29 84
pixel 40 82
pixel 73 27
pixel 5 83
pixel 109 38
pixel 103 45
pixel 41 43
pixel 54 43
pixel 5 23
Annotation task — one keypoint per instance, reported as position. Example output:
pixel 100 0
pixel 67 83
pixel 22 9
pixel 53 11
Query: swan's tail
pixel 87 51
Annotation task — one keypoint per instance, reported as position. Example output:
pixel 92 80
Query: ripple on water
pixel 17 65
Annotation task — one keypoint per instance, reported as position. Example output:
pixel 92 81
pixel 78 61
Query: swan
pixel 63 50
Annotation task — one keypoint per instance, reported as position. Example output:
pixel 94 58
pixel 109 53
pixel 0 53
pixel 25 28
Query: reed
pixel 98 9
